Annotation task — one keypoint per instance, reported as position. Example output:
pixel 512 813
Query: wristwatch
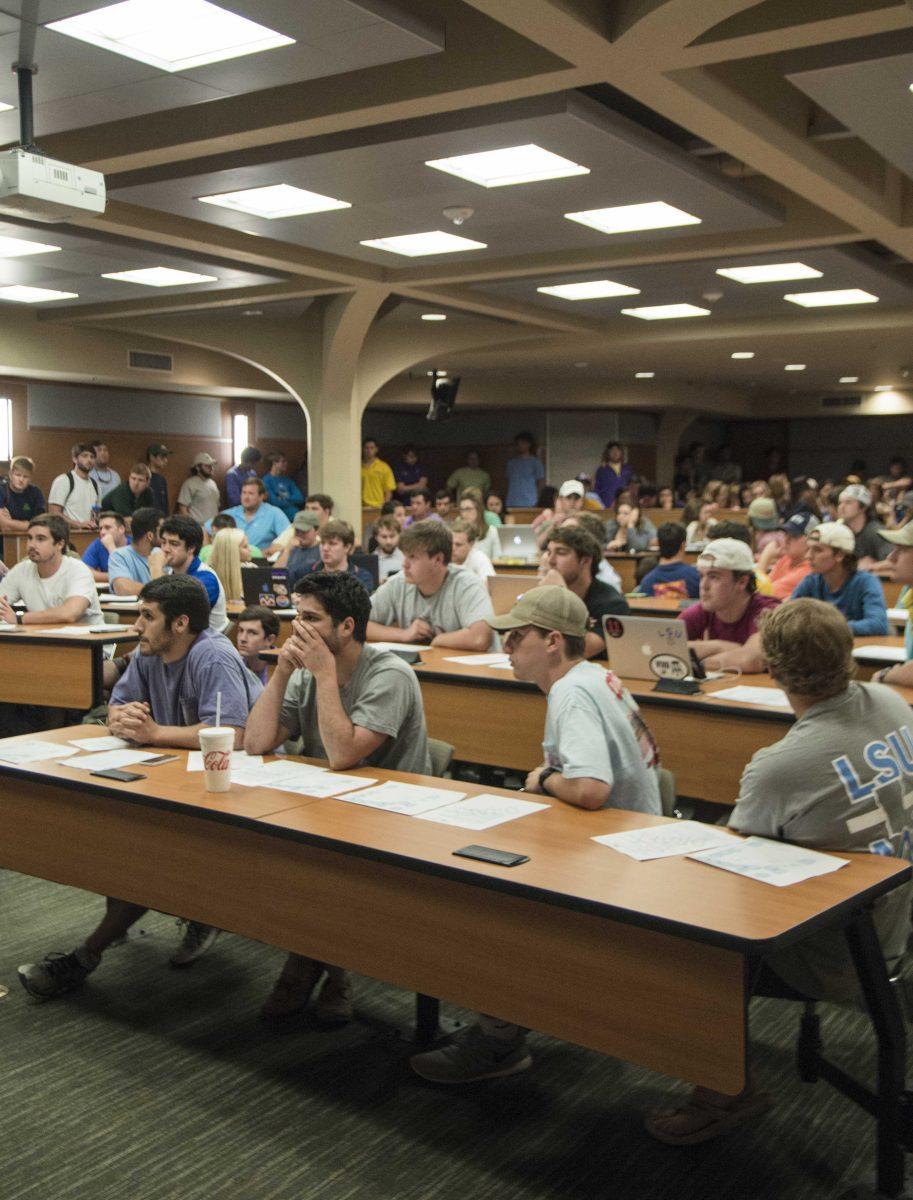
pixel 18 617
pixel 546 774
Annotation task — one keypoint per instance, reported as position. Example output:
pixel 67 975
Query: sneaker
pixel 292 990
pixel 335 1001
pixel 472 1056
pixel 196 941
pixel 58 973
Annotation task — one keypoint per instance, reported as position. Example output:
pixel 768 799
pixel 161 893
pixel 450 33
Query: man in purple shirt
pixel 723 627
pixel 614 475
pixel 235 476
pixel 166 695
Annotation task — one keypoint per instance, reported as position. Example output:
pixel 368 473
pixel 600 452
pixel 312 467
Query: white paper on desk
pixel 502 666
pixel 111 760
pixel 238 760
pixel 483 811
pixel 778 863
pixel 107 628
pixel 93 745
pixel 70 630
pixel 6 626
pixel 898 615
pixel 329 784
pixel 410 799
pixel 17 754
pixel 885 654
pixel 664 841
pixel 481 660
pixel 769 697
pixel 400 646
pixel 282 774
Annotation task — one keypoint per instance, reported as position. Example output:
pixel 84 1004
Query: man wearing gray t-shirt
pixel 836 781
pixel 431 601
pixel 352 704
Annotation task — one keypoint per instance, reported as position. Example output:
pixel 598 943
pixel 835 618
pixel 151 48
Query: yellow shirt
pixel 376 479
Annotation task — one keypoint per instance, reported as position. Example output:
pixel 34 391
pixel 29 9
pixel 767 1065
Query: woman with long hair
pixel 629 530
pixel 230 552
pixel 473 512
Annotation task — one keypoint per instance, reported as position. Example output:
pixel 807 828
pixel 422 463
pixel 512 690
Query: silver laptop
pixel 647 647
pixel 518 544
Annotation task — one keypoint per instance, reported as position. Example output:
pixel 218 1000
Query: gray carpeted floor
pixel 156 1084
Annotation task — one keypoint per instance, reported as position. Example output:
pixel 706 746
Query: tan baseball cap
pixel 547 607
pixel 204 460
pixel 900 537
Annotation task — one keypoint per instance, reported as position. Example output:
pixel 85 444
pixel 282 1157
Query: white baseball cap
pixel 727 554
pixel 857 492
pixel 836 535
pixel 572 487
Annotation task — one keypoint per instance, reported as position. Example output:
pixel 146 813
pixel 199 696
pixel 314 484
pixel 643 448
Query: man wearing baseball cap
pixel 836 579
pixel 790 561
pixel 303 551
pixel 598 754
pixel 199 494
pixel 854 509
pixel 901 560
pixel 157 458
pixel 723 625
pixel 570 500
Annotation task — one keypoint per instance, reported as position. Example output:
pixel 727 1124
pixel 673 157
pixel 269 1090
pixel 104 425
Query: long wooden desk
pixel 16 544
pixel 493 719
pixel 580 942
pixel 55 670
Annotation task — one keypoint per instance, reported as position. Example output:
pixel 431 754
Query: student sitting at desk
pixel 303 551
pixel 901 561
pixel 258 629
pixel 261 522
pixel 466 553
pixel 112 535
pixel 723 625
pixel 819 787
pixel 572 558
pixel 431 600
pixel 165 696
pixel 836 579
pixel 182 539
pixel 337 542
pixel 598 754
pixel 130 567
pixel 352 704
pixel 55 589
pixel 673 578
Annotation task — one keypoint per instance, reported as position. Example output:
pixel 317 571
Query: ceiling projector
pixel 38 188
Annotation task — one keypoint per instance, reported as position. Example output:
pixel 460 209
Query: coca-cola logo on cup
pixel 217 760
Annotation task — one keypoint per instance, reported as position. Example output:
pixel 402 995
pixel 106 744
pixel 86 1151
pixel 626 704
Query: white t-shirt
pixel 72 578
pixel 81 501
pixel 478 562
pixel 218 613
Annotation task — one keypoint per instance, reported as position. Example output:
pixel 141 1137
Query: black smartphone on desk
pixel 500 858
pixel 120 776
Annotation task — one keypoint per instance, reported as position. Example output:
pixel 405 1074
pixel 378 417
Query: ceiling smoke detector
pixel 457 214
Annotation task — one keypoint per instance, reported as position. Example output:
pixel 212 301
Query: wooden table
pixel 54 670
pixel 865 669
pixel 580 942
pixel 505 590
pixel 493 719
pixel 657 606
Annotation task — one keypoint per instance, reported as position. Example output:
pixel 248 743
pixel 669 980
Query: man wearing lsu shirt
pixel 837 781
pixel 598 754
pixel 723 625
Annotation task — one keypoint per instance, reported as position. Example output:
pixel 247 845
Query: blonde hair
pixel 225 560
pixel 808 646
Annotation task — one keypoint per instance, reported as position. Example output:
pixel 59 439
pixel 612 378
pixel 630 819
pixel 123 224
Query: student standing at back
pixel 525 473
pixel 74 494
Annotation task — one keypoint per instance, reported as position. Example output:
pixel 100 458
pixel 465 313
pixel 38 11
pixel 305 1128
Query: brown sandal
pixel 699 1120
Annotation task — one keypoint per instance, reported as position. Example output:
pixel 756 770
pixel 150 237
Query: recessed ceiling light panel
pixel 593 289
pixel 629 218
pixel 434 316
pixel 173 35
pixel 159 277
pixel 794 367
pixel 831 299
pixel 885 387
pixel 275 201
pixel 644 374
pixel 770 273
pixel 666 312
pixel 742 354
pixel 414 245
pixel 502 168
pixel 849 379
pixel 12 247
pixel 19 293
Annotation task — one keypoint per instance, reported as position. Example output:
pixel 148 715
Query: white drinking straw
pixel 218 709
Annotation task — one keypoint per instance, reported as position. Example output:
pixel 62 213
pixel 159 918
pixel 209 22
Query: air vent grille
pixel 145 360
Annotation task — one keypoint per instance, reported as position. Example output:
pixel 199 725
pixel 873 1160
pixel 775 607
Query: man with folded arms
pixel 352 704
pixel 723 625
pixel 837 781
pixel 598 754
pixel 431 600
pixel 836 579
pixel 164 698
